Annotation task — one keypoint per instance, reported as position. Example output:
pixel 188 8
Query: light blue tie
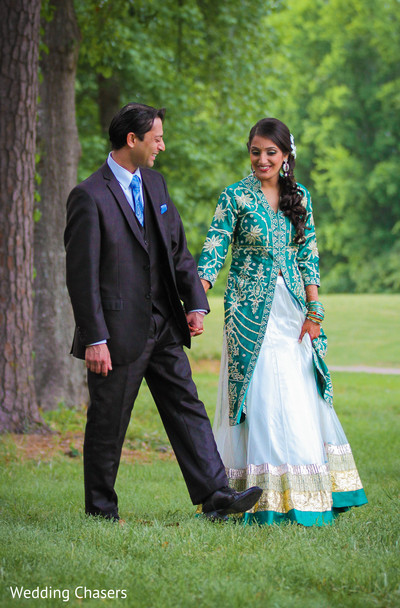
pixel 137 198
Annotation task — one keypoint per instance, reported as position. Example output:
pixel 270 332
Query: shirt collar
pixel 123 176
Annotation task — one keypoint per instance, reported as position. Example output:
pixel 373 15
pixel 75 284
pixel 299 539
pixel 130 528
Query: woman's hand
pixel 206 284
pixel 310 328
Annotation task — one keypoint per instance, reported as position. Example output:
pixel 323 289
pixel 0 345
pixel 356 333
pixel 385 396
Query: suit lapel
pixel 152 195
pixel 113 185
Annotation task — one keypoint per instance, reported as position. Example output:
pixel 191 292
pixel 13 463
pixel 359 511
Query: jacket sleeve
pixel 188 284
pixel 82 239
pixel 219 237
pixel 307 255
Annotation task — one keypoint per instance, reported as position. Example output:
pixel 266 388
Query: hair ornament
pixel 293 147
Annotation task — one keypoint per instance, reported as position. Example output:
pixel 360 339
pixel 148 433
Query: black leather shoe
pixel 215 516
pixel 226 500
pixel 114 517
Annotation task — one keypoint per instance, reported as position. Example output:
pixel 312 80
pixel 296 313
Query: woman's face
pixel 266 159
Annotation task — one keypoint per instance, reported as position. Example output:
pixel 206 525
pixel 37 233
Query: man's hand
pixel 195 322
pixel 311 328
pixel 98 359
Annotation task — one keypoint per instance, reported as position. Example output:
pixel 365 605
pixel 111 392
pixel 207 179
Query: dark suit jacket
pixel 108 269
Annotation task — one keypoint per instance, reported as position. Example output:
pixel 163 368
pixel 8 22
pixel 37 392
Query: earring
pixel 285 168
pixel 253 171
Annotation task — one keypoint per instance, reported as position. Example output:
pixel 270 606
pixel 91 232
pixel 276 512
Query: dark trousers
pixel 167 371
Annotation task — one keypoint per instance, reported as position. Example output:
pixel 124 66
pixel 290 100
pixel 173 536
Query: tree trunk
pixel 19 29
pixel 58 377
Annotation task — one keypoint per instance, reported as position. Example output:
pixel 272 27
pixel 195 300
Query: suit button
pixel 146 267
pixel 148 296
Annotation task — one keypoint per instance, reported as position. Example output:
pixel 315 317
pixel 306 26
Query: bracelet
pixel 315 311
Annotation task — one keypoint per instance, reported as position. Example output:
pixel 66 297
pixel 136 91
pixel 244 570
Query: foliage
pixel 339 71
pixel 197 58
pixel 328 69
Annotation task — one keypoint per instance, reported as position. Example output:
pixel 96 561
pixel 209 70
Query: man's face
pixel 144 152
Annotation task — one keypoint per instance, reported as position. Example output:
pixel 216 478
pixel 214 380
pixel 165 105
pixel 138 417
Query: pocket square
pixel 163 208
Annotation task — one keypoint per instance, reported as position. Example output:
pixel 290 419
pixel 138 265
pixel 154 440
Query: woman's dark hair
pixel 133 118
pixel 290 195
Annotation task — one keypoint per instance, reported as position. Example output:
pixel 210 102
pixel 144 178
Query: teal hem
pixel 303 518
pixel 342 501
pixel 345 500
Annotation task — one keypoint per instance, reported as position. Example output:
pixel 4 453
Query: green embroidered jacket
pixel 262 244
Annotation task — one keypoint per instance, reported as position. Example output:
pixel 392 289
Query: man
pixel 128 270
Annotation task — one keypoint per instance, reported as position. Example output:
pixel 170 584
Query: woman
pixel 275 425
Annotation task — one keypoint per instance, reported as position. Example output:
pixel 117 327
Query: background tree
pixel 338 78
pixel 205 61
pixel 58 377
pixel 19 27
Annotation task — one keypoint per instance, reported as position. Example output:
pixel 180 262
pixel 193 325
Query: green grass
pixel 361 330
pixel 165 558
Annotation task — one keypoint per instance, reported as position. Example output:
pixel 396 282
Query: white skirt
pixel 291 442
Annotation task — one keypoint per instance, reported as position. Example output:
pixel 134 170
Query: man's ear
pixel 131 140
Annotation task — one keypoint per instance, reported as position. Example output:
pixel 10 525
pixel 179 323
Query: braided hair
pixel 290 195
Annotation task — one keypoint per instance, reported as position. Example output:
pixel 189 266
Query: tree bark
pixel 58 377
pixel 19 29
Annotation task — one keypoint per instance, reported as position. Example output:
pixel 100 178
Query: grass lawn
pixel 361 330
pixel 164 557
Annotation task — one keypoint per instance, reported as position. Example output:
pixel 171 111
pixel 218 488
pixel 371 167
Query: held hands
pixel 311 328
pixel 195 323
pixel 98 360
pixel 195 319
